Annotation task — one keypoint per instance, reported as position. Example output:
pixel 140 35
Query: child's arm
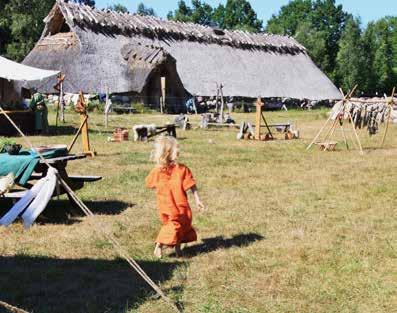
pixel 199 204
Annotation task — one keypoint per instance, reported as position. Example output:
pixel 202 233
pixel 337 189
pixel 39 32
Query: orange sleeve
pixel 188 180
pixel 151 179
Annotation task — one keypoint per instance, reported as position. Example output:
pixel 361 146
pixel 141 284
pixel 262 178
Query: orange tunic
pixel 175 213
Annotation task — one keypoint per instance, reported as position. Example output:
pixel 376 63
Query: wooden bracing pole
pixel 258 119
pixel 81 108
pixel 330 132
pixel 390 107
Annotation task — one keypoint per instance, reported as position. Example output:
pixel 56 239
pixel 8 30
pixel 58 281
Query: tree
pixel 239 14
pixel 383 57
pixel 315 41
pixel 236 14
pixel 90 3
pixel 24 21
pixel 350 69
pixel 144 10
pixel 5 32
pixel 323 17
pixel 118 7
pixel 286 22
pixel 200 13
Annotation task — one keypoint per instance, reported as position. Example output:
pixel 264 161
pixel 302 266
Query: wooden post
pixel 217 98
pixel 344 136
pixel 390 105
pixel 81 108
pixel 107 108
pixel 62 100
pixel 258 119
pixel 163 94
pixel 221 117
pixel 355 133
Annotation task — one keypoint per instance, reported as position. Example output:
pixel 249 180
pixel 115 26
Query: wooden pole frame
pixel 389 104
pixel 346 99
pixel 83 129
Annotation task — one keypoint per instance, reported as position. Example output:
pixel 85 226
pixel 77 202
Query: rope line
pixel 100 230
pixel 11 308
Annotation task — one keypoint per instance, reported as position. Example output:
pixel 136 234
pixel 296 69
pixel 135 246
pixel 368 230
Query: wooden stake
pixel 163 89
pixel 222 104
pixel 258 119
pixel 107 108
pixel 344 136
pixel 355 133
pixel 319 133
pixel 81 107
pixel 389 103
pixel 70 147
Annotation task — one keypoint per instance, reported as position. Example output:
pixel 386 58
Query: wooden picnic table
pixel 60 163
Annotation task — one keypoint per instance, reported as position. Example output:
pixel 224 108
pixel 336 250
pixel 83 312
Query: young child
pixel 171 181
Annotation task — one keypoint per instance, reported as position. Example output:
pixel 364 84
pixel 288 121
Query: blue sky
pixel 368 10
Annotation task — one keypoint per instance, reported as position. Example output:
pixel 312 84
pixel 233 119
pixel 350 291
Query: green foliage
pixel 5 142
pixel 236 14
pixel 315 41
pixel 144 10
pixel 323 19
pixel 91 3
pixel 239 14
pixel 22 23
pixel 339 46
pixel 118 7
pixel 351 61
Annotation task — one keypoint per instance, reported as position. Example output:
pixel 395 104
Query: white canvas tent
pixel 14 71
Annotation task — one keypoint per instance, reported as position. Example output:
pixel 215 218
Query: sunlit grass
pixel 303 231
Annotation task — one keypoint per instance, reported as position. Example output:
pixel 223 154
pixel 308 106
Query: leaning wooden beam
pixel 11 308
pixel 319 133
pixel 374 101
pixel 355 133
pixel 389 103
pixel 70 147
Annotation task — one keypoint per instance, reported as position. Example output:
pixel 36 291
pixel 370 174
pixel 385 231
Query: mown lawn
pixel 287 230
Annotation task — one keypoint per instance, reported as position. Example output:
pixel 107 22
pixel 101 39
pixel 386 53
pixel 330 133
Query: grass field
pixel 287 230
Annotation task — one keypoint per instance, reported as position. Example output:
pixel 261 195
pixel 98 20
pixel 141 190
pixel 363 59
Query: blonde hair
pixel 166 151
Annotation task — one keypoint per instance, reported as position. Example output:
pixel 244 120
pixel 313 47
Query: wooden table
pixel 60 163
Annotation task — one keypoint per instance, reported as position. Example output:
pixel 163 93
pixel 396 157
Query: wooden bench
pixel 119 109
pixel 327 146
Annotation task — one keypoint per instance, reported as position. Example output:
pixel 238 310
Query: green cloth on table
pixel 23 165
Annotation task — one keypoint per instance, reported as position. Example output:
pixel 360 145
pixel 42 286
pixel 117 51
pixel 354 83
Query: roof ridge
pixel 76 13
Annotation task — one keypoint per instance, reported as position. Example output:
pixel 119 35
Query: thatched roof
pixel 98 49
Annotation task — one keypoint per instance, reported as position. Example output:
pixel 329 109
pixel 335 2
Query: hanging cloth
pixel 34 201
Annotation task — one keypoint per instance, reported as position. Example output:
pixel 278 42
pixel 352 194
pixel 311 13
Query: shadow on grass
pixel 63 212
pixel 39 284
pixel 66 130
pixel 216 243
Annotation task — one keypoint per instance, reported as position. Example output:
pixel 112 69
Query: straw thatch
pixel 99 50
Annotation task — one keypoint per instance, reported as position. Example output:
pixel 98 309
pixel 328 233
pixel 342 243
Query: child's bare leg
pixel 158 250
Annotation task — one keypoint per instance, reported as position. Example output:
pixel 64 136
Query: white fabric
pixel 39 204
pixel 21 205
pixel 14 71
pixel 36 199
